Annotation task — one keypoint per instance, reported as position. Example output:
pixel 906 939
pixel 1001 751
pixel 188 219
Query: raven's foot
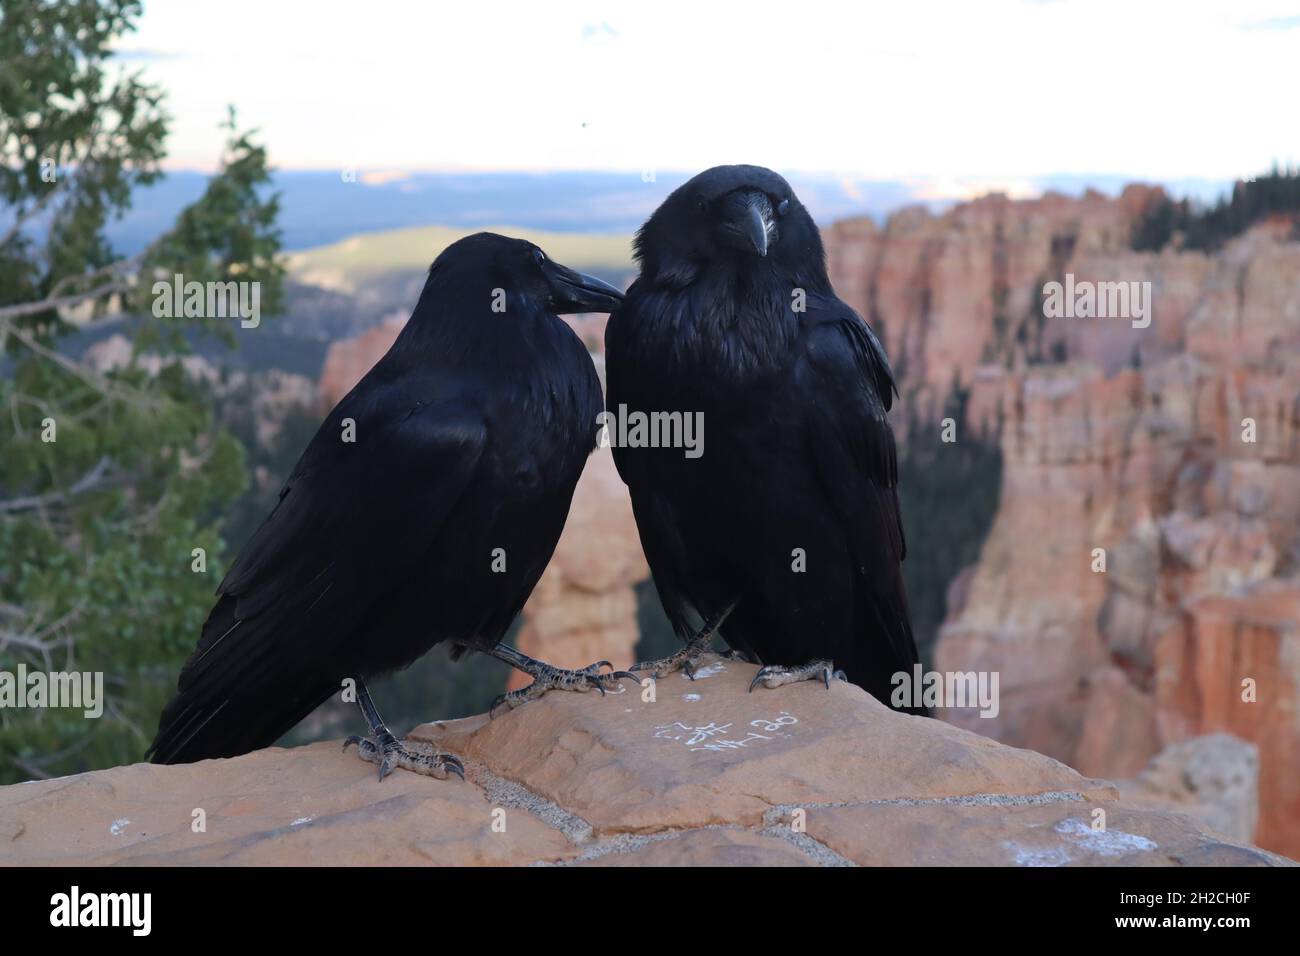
pixel 774 675
pixel 547 677
pixel 387 751
pixel 689 659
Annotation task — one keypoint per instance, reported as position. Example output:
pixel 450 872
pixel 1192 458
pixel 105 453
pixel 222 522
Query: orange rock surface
pixel 706 773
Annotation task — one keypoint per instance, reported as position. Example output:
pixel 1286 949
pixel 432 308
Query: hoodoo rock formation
pixel 1174 448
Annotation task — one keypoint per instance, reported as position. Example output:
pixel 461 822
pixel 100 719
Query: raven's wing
pixel 352 520
pixel 621 374
pixel 845 386
pixel 657 523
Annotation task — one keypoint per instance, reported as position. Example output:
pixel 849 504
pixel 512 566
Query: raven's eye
pixel 702 204
pixel 539 256
pixel 782 209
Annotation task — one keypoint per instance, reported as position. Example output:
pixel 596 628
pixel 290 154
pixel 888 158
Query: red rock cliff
pixel 1134 440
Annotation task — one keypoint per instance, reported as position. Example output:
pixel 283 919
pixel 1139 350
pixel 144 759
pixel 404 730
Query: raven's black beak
pixel 574 292
pixel 754 226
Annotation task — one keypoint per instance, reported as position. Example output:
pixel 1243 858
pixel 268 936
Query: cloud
pixel 884 96
pixel 1274 24
pixel 599 31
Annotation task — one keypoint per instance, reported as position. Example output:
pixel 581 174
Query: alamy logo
pixel 103 909
pixel 1099 300
pixel 935 689
pixel 624 429
pixel 56 689
pixel 208 300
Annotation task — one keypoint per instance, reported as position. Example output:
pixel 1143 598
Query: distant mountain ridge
pixel 320 207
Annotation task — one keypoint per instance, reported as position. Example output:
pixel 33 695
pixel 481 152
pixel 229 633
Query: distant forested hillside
pixel 1195 225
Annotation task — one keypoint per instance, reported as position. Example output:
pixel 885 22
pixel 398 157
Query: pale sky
pixel 995 90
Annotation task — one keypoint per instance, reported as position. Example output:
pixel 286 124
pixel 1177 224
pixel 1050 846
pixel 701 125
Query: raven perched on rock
pixel 787 527
pixel 424 510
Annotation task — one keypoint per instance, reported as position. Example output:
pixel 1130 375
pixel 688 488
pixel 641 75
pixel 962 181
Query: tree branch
pixel 93 480
pixel 120 284
pixel 97 382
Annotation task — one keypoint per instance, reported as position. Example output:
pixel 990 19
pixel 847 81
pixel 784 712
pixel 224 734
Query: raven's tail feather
pixel 891 650
pixel 239 691
pixel 199 730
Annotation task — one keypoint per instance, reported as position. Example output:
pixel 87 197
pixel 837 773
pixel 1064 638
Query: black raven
pixel 787 526
pixel 424 510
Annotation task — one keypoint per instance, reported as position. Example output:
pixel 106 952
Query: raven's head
pixel 744 215
pixel 516 272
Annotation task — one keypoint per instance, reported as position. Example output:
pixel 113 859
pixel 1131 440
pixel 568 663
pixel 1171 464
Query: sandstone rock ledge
pixel 705 774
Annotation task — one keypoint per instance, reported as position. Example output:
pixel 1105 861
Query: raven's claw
pixel 546 677
pixel 387 751
pixel 688 659
pixel 774 675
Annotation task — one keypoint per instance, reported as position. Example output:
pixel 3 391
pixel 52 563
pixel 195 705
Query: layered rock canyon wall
pixel 1174 448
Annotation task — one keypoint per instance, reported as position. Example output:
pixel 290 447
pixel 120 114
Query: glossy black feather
pixel 471 433
pixel 798 451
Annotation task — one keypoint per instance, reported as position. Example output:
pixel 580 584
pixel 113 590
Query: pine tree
pixel 111 479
